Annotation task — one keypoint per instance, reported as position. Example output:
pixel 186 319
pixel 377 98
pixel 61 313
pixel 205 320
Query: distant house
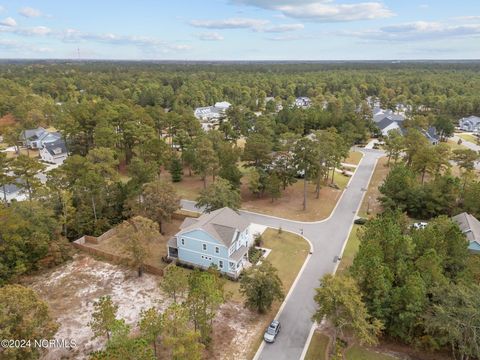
pixel 37 138
pixel 470 226
pixel 386 125
pixel 303 102
pixel 471 123
pixel 432 135
pixel 221 238
pixel 54 152
pixel 210 116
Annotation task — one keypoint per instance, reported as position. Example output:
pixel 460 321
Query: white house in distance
pixel 210 116
pixel 54 152
pixel 471 123
pixel 303 102
pixel 37 138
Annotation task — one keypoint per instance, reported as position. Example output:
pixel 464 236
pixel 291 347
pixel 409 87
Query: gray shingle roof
pixel 221 224
pixel 56 148
pixel 386 121
pixel 469 225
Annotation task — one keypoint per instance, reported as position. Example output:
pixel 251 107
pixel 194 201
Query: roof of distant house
pixel 469 225
pixel 473 119
pixel 56 148
pixel 221 224
pixel 385 122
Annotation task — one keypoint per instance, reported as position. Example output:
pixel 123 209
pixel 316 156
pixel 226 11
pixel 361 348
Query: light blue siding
pixel 474 247
pixel 192 250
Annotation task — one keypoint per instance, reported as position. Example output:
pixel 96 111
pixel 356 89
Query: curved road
pixel 327 238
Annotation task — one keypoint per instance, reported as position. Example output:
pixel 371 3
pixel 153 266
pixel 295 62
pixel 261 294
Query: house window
pixel 232 265
pixel 217 250
pixel 220 264
pixel 183 241
pixel 204 246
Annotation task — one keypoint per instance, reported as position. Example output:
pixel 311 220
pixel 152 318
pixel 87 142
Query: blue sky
pixel 240 29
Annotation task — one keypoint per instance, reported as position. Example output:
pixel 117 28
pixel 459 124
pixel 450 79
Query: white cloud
pixel 30 12
pixel 257 25
pixel 323 10
pixel 284 28
pixel 8 22
pixel 210 36
pixel 232 23
pixel 420 30
pixel 468 18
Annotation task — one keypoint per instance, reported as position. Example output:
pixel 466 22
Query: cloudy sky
pixel 240 29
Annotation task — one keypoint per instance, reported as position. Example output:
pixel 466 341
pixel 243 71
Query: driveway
pixel 327 238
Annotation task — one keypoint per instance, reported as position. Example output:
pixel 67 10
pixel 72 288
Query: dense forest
pixel 127 123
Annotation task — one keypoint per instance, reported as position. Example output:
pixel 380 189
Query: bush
pixel 254 255
pixel 258 240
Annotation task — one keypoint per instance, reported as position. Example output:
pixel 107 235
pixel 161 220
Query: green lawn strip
pixel 468 137
pixel 318 346
pixel 351 249
pixel 354 158
pixel 359 353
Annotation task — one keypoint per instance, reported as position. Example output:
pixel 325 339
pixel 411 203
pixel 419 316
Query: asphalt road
pixel 327 238
pixel 471 146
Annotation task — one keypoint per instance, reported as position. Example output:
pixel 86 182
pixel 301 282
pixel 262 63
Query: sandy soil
pixel 72 288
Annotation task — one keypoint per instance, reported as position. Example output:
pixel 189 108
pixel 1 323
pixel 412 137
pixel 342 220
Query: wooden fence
pixel 81 244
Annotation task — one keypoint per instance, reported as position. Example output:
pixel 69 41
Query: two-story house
pixel 221 238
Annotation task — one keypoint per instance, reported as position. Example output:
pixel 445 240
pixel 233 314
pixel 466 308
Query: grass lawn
pixel 351 249
pixel 370 201
pixel 23 151
pixel 454 145
pixel 317 347
pixel 288 255
pixel 468 137
pixel 358 353
pixel 354 158
pixel 288 206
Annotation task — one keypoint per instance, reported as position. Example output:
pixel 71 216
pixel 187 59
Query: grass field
pixel 468 137
pixel 288 255
pixel 370 201
pixel 289 205
pixel 351 249
pixel 318 347
pixel 354 158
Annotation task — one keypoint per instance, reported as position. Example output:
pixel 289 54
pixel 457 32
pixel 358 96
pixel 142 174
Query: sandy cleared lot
pixel 72 288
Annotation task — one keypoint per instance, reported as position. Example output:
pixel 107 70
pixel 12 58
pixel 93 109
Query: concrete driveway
pixel 327 238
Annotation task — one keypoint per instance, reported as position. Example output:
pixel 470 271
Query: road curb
pixel 312 329
pixel 282 306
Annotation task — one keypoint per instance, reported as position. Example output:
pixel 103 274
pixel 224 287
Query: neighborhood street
pixel 471 146
pixel 327 238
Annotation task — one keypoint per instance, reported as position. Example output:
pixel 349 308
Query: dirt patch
pixel 72 288
pixel 235 329
pixel 370 203
pixel 157 248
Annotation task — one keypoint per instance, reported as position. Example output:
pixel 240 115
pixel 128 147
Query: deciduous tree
pixel 261 286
